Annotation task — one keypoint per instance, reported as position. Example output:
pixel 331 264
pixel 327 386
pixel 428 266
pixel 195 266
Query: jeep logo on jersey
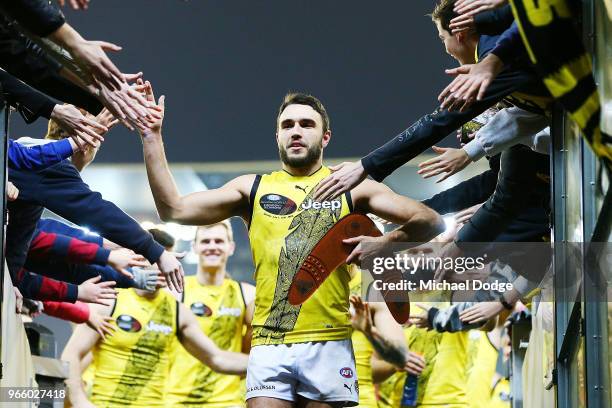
pixel 316 205
pixel 200 309
pixel 128 323
pixel 277 204
pixel 346 372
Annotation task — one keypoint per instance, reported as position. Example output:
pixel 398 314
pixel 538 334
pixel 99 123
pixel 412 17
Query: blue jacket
pixel 22 157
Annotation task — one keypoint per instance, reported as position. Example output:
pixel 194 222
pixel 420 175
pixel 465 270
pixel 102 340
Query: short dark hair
pixel 297 98
pixel 162 238
pixel 444 12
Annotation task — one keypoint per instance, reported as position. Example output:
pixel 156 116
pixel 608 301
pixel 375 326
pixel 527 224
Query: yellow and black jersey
pixel 132 365
pixel 286 223
pixel 220 311
pixel 482 361
pixel 443 382
pixel 363 350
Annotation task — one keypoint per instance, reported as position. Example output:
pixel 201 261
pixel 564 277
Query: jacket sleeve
pixel 447 320
pixel 39 287
pixel 31 103
pixel 63 191
pixel 432 128
pixel 510 126
pixel 37 16
pixel 26 60
pixel 37 157
pixel 72 250
pixel 74 312
pixel 522 184
pixel 465 194
pixel 58 227
pixel 509 47
pixel 494 22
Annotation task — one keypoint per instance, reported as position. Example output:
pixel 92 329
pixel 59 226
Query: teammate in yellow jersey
pixel 443 381
pixel 131 366
pixel 483 353
pixel 222 307
pixel 301 355
pixel 376 335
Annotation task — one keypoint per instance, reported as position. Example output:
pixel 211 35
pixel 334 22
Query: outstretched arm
pixel 419 223
pixel 377 324
pixel 205 207
pixel 81 342
pixel 205 350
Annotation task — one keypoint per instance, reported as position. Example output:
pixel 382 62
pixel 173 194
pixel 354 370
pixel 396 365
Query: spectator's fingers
pixel 483 88
pixel 181 275
pixel 142 264
pixel 132 77
pixel 84 136
pixel 108 46
pixel 433 173
pixel 477 10
pixel 447 175
pixel 445 92
pixel 431 161
pixel 106 284
pixel 92 123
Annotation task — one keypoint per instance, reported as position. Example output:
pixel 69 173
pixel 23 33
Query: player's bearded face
pixel 304 157
pixel 300 136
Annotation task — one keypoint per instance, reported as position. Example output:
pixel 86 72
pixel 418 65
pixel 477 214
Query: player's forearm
pixel 165 193
pixel 387 350
pixel 227 362
pixel 74 383
pixel 421 227
pixel 381 370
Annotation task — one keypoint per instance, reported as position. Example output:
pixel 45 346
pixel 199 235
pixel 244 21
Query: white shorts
pixel 319 371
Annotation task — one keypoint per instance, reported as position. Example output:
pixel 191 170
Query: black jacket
pixel 40 17
pixel 529 225
pixel 60 189
pixel 30 102
pixel 24 59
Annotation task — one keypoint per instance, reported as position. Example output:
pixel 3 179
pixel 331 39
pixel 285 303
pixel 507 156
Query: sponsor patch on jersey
pixel 277 204
pixel 229 311
pixel 159 328
pixel 128 323
pixel 318 205
pixel 200 309
pixel 346 372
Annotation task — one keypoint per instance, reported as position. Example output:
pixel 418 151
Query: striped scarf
pixel 561 60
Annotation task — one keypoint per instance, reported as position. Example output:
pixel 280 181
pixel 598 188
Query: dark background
pixel 225 65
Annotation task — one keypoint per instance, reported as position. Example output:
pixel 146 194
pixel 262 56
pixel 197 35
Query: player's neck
pixel 211 276
pixel 303 171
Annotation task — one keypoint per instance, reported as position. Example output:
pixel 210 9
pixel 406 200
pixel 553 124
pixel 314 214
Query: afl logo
pixel 277 204
pixel 128 323
pixel 200 309
pixel 346 372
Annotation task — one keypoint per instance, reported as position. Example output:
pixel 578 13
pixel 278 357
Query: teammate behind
pixel 223 307
pixel 132 365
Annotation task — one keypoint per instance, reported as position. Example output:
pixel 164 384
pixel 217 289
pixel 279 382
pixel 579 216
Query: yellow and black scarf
pixel 560 58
